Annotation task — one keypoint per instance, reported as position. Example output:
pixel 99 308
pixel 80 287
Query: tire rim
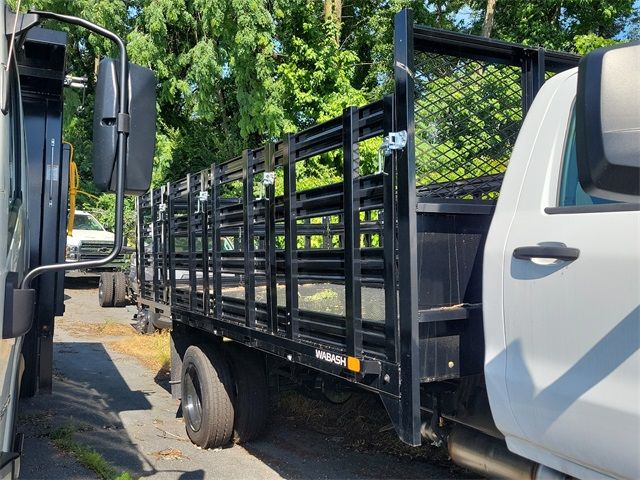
pixel 100 290
pixel 193 402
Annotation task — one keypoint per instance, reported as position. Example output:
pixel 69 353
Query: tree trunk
pixel 333 14
pixel 487 25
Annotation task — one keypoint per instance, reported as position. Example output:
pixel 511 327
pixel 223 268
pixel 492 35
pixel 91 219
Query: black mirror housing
pixel 608 122
pixel 19 306
pixel 142 127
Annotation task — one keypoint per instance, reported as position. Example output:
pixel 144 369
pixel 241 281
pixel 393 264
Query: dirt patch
pixel 170 454
pixel 359 424
pixel 107 328
pixel 151 350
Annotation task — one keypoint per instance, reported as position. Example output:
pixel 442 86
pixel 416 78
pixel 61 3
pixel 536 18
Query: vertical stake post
pixel 389 240
pixel 351 209
pixel 290 237
pixel 248 246
pixel 407 232
pixel 270 240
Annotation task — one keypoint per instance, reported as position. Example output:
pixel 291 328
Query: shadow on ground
pixel 91 396
pixel 81 283
pixel 131 427
pixel 124 411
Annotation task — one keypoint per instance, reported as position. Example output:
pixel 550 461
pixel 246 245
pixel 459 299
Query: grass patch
pixel 63 439
pixel 108 328
pixel 152 350
pixel 114 329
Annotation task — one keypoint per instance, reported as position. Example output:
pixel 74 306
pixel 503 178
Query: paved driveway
pixel 122 410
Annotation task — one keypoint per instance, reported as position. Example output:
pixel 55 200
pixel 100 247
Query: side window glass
pixel 15 144
pixel 571 193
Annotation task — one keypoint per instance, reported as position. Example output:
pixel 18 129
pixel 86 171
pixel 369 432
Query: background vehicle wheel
pixel 119 289
pixel 207 397
pixel 251 393
pixel 105 289
pixel 143 322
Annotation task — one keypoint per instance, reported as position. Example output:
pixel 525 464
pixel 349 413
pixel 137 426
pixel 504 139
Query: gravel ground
pixel 125 412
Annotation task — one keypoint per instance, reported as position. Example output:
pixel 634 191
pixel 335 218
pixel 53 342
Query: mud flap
pixel 176 368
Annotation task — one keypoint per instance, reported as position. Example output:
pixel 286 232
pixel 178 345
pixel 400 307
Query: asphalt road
pixel 119 408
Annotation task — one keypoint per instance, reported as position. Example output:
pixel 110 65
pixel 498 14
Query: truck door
pixel 571 295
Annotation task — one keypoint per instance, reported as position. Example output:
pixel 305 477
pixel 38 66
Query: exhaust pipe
pixel 490 457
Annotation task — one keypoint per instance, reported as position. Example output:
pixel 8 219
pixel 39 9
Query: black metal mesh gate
pixel 468 114
pixel 469 106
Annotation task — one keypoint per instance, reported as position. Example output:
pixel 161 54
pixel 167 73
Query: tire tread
pixel 251 397
pixel 217 392
pixel 119 289
pixel 107 285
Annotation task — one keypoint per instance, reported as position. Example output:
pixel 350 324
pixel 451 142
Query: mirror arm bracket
pixel 123 123
pixel 23 23
pixel 122 149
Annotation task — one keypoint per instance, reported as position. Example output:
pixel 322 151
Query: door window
pixel 15 140
pixel 571 192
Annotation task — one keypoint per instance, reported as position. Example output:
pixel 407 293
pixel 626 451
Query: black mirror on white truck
pixel 608 122
pixel 142 127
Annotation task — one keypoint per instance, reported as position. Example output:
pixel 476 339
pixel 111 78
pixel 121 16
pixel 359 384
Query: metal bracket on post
pixel 268 178
pixel 394 141
pixel 203 196
pixel 162 208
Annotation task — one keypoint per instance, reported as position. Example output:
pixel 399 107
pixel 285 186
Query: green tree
pixel 236 73
pixel 555 24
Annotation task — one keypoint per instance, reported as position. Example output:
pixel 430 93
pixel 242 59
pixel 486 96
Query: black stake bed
pixel 376 278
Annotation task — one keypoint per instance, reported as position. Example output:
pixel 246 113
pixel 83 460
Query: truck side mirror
pixel 608 122
pixel 142 127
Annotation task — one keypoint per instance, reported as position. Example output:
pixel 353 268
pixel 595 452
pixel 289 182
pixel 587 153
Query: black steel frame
pixel 41 64
pixel 402 351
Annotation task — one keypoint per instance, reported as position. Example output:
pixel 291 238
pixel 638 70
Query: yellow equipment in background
pixel 74 189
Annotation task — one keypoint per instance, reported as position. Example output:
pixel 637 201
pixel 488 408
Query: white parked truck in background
pixel 90 240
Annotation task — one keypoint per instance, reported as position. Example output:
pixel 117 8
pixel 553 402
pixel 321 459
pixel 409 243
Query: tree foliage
pixel 235 73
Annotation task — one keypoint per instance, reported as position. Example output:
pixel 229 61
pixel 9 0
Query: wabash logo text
pixel 331 358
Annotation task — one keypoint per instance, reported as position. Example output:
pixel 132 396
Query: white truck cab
pixel 87 229
pixel 89 240
pixel 562 315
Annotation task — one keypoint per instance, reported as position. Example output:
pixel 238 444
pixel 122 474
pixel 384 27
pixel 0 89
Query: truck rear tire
pixel 105 289
pixel 251 393
pixel 207 396
pixel 119 289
